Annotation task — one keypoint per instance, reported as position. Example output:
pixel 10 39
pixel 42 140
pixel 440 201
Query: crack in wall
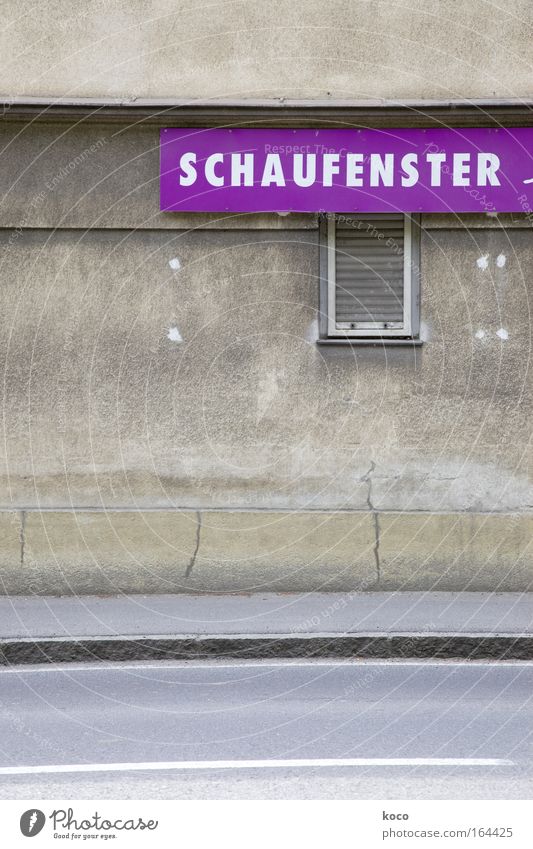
pixel 22 535
pixel 192 561
pixel 375 518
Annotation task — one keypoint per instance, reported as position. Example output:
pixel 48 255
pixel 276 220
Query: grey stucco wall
pixel 103 408
pixel 170 429
pixel 341 49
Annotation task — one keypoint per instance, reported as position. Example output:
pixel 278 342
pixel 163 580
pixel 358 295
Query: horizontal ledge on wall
pixel 263 222
pixel 376 343
pixel 199 113
pixel 87 509
pixel 204 226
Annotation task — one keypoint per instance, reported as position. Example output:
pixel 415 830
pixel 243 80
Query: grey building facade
pixel 172 419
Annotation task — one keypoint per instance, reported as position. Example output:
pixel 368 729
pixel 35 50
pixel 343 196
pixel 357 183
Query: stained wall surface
pixel 169 421
pixel 247 49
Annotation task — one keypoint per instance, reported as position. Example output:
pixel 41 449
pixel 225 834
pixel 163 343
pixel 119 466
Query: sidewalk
pixel 140 627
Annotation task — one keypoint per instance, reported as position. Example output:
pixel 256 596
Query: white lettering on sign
pixel 354 169
pixel 487 165
pixel 348 169
pixel 242 169
pixel 381 169
pixel 330 168
pixel 273 171
pixel 309 177
pixel 436 161
pixel 210 174
pixel 410 170
pixel 461 169
pixel 188 178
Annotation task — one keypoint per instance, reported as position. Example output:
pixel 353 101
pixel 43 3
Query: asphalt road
pixel 328 730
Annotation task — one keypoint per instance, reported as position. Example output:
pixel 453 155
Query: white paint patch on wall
pixel 311 334
pixel 480 334
pixel 174 263
pixel 268 391
pixel 174 335
pixel 502 333
pixel 425 331
pixel 501 260
pixel 483 262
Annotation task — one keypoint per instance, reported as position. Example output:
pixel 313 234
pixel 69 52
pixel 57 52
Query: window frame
pixel 410 326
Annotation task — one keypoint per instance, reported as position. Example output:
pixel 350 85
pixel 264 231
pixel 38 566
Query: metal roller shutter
pixel 369 270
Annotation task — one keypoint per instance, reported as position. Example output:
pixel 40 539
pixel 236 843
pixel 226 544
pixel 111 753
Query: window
pixel 370 276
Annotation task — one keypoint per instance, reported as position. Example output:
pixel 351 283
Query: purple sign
pixel 346 170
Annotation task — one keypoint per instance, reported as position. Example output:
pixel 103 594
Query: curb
pixel 361 646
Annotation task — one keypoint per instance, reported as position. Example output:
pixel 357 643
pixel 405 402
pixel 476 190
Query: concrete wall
pixel 177 428
pixel 244 456
pixel 339 49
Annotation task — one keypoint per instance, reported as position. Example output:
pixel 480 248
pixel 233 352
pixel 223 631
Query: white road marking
pixel 118 666
pixel 259 764
pixel 530 180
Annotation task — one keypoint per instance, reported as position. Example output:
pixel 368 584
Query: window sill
pixel 381 342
